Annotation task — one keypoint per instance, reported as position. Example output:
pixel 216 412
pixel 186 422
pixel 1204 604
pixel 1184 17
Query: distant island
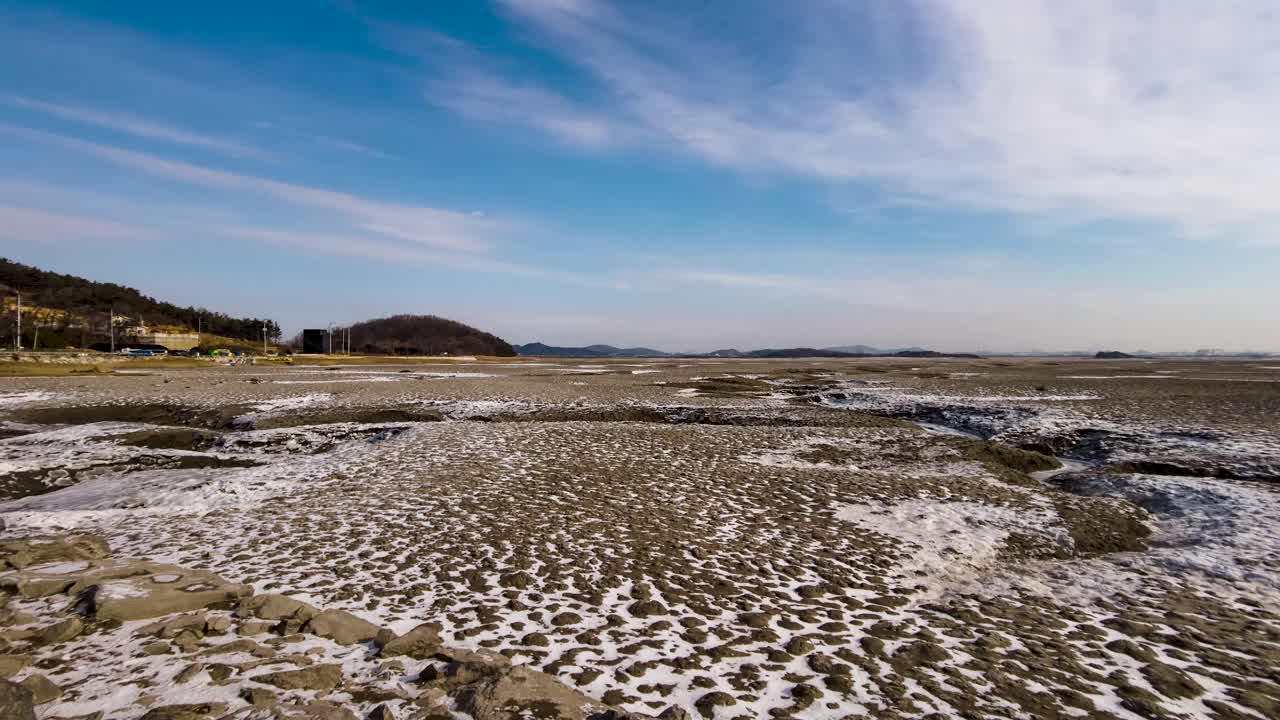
pixel 537 349
pixel 425 335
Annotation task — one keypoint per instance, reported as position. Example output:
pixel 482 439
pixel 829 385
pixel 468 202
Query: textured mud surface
pixel 720 539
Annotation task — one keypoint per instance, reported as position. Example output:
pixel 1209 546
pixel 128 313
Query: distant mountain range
pixel 538 349
pixel 868 350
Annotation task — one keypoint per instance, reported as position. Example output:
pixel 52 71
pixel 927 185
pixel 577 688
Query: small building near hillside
pixel 173 342
pixel 315 342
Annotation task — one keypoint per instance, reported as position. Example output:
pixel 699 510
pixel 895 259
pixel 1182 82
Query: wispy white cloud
pixel 364 228
pixel 465 81
pixel 24 224
pixel 328 141
pixel 351 146
pixel 419 225
pixel 364 246
pixel 1160 111
pixel 140 127
pixel 481 95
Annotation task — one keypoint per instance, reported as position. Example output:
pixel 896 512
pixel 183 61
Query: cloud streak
pixel 483 96
pixel 351 245
pixel 418 225
pixel 23 224
pixel 1154 111
pixel 139 127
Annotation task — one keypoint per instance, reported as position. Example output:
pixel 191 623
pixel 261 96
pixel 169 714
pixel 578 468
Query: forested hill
pixel 95 301
pixel 425 335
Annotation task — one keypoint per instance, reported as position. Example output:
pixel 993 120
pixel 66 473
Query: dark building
pixel 315 341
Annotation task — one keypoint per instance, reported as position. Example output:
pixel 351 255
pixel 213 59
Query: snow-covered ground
pixel 797 560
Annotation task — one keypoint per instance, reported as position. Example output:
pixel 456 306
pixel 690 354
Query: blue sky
pixel 967 176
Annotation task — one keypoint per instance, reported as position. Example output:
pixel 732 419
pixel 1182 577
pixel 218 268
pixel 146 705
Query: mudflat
pixel 674 538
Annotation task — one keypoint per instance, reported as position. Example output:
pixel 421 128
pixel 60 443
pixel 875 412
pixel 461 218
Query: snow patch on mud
pixel 949 542
pixel 298 402
pixel 111 495
pixel 471 409
pixel 343 380
pixel 1051 424
pixel 1215 530
pixel 14 399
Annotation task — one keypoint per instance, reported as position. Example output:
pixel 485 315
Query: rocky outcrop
pixel 112 589
pixel 136 590
pixel 197 617
pixel 39 550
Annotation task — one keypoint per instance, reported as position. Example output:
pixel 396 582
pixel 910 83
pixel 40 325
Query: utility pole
pixel 264 338
pixel 112 329
pixel 17 341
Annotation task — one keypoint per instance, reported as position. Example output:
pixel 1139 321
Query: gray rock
pixel 342 627
pixel 419 643
pixel 171 627
pixel 317 677
pixel 33 584
pixel 30 551
pixel 275 607
pixel 42 689
pixel 11 664
pixel 136 590
pixel 16 702
pixel 520 692
pixel 60 631
pixel 259 697
pixel 708 703
pixel 325 710
pixel 185 712
pixel 188 673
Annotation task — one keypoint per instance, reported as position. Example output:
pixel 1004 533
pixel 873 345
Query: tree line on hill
pixel 424 335
pixel 87 307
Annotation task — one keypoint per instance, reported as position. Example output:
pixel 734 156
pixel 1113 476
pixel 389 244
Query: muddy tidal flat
pixel 993 538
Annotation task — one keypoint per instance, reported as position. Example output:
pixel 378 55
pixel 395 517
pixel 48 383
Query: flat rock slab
pixel 317 677
pixel 136 590
pixel 30 551
pixel 271 606
pixel 520 692
pixel 342 627
pixel 419 643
